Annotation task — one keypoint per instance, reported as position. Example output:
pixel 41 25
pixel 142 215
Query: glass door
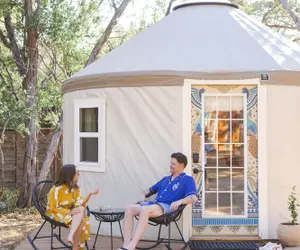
pixel 224 153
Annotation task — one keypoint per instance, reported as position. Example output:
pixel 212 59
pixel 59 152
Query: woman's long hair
pixel 66 176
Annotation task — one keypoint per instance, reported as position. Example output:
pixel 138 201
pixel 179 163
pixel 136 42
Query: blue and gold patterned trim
pixel 224 222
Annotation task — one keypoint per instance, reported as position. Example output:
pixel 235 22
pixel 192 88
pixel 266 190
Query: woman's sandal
pixel 70 242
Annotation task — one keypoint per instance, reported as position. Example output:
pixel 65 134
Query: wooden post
pixel 16 159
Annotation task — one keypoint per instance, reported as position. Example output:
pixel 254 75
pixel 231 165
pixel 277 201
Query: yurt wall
pixel 143 128
pixel 283 150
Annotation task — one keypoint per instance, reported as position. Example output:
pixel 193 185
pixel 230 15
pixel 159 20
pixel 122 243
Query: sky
pixel 136 6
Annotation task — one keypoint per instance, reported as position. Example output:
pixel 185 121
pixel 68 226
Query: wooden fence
pixel 14 149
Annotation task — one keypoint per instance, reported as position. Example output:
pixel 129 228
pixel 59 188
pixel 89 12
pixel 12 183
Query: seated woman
pixel 66 205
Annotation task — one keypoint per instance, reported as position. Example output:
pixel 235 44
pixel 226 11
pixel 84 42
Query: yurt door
pixel 224 156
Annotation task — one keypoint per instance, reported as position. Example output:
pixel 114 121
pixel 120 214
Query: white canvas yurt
pixel 211 82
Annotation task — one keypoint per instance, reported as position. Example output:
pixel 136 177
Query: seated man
pixel 172 191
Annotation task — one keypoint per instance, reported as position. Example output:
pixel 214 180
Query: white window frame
pixel 90 103
pixel 245 159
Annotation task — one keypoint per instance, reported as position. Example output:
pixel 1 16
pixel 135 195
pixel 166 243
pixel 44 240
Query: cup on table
pixel 104 207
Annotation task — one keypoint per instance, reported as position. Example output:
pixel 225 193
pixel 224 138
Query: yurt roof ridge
pixel 204 2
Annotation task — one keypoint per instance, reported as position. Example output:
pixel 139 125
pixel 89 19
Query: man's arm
pixel 144 194
pixel 150 191
pixel 187 200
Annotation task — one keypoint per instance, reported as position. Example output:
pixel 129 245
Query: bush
pixel 10 195
pixel 293 206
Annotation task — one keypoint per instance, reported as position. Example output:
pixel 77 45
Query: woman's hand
pixel 74 211
pixel 95 192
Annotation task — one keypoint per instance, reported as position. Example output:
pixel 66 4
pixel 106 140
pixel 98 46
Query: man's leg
pixel 128 222
pixel 146 212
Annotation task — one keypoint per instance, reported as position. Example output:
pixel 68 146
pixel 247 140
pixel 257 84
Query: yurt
pixel 211 82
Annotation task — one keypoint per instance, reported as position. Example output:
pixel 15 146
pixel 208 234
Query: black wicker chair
pixel 39 198
pixel 165 219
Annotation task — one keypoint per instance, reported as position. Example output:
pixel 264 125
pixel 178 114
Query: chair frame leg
pixel 86 245
pixel 168 246
pixel 51 236
pixel 159 241
pixel 31 241
pixel 121 231
pixel 51 245
pixel 111 237
pixel 95 241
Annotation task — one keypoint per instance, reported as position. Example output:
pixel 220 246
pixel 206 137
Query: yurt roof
pixel 198 40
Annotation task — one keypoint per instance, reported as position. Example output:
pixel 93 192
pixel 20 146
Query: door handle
pixel 197 170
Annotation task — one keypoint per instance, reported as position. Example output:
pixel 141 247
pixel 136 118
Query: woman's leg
pixel 77 235
pixel 76 221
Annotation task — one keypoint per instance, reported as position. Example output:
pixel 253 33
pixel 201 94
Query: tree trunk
pixel 2 170
pixel 291 13
pixel 104 37
pixel 51 151
pixel 30 84
pixel 101 42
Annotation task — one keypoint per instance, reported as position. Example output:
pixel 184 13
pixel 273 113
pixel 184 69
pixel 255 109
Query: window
pixel 89 134
pixel 224 151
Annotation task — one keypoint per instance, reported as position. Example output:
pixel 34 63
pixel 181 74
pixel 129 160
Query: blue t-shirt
pixel 169 191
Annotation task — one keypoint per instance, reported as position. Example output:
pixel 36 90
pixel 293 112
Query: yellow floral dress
pixel 60 203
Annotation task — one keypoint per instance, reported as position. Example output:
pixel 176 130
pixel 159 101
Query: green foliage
pixel 293 205
pixel 68 30
pixel 273 15
pixel 67 33
pixel 11 195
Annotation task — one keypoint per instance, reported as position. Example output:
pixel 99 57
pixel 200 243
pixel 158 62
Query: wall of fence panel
pixel 14 148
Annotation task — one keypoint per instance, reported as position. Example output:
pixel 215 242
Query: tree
pixel 26 61
pixel 291 13
pixel 104 37
pixel 43 42
pixel 39 47
pixel 274 15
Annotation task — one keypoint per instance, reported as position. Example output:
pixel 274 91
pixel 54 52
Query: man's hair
pixel 180 157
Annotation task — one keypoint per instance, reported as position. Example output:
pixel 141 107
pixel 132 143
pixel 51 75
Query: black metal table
pixel 108 215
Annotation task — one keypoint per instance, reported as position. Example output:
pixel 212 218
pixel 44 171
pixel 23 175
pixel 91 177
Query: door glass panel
pixel 237 104
pixel 223 131
pixel 238 204
pixel 210 131
pixel 210 107
pixel 211 179
pixel 210 204
pixel 238 155
pixel 224 204
pixel 210 155
pixel 238 131
pixel 224 179
pixel 223 107
pixel 224 153
pixel 238 179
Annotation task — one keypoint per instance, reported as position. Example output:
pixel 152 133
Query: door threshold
pixel 226 238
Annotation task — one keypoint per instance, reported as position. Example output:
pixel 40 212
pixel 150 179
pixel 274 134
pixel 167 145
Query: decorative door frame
pixel 262 147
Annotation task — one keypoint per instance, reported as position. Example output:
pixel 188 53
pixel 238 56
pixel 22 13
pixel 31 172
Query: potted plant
pixel 289 233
